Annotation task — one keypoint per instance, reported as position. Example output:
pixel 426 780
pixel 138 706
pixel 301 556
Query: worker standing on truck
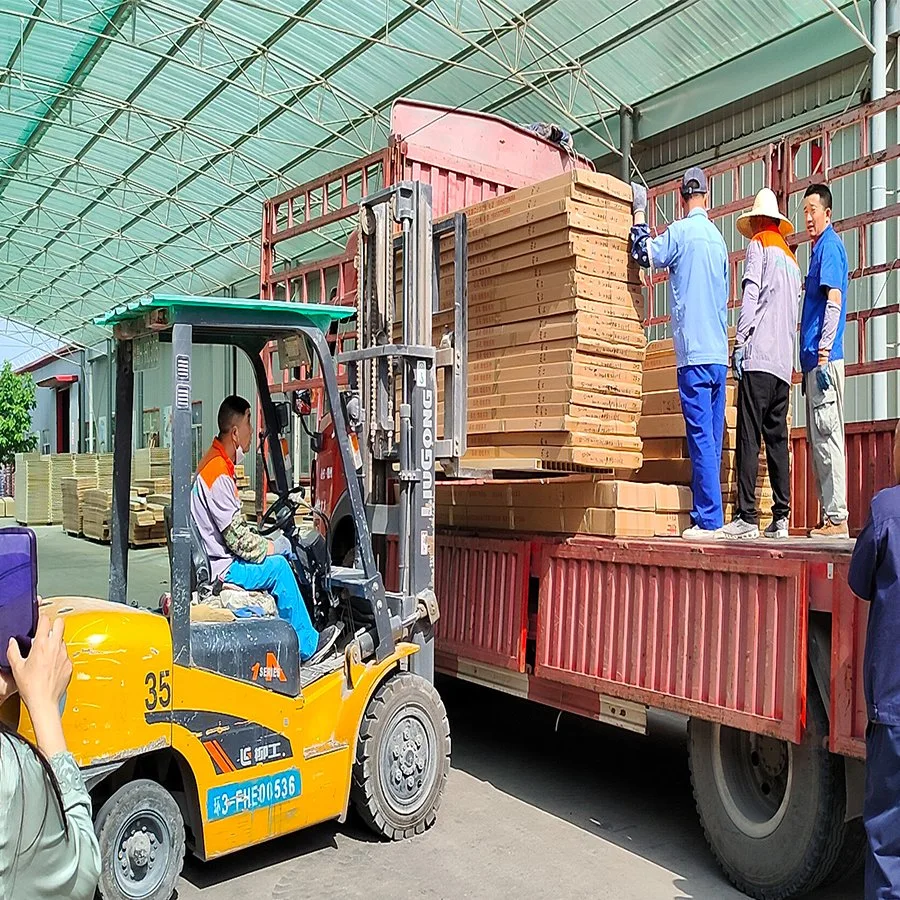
pixel 763 365
pixel 822 326
pixel 697 259
pixel 875 577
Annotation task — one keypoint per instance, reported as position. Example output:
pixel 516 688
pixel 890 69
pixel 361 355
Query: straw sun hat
pixel 766 205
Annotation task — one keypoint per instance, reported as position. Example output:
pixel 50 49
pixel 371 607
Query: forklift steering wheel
pixel 278 515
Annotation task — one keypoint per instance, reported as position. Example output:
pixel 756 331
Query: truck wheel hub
pixel 753 775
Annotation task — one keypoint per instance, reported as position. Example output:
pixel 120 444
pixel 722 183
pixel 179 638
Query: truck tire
pixel 852 854
pixel 402 758
pixel 772 812
pixel 141 834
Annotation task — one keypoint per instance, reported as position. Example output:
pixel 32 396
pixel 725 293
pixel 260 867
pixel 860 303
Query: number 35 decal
pixel 159 690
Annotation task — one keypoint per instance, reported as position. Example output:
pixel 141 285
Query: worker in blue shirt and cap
pixel 697 259
pixel 822 324
pixel 875 576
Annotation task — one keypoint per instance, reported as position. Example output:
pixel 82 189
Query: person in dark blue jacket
pixel 875 577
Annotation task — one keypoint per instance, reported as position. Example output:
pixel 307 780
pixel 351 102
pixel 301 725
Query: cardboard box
pixel 672 498
pixel 673 425
pixel 672 524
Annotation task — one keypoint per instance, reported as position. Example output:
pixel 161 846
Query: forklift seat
pixel 257 650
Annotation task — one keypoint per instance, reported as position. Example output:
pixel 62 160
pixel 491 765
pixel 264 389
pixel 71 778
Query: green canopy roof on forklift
pixel 253 312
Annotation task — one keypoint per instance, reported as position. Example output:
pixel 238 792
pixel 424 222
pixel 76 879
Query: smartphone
pixel 18 590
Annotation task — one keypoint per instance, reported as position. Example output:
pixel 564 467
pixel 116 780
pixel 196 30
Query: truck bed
pixel 606 627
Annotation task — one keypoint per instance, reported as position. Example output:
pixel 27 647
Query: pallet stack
pixel 105 464
pixel 662 429
pixel 73 491
pixel 96 511
pixel 62 465
pixel 555 337
pixel 150 463
pixel 32 493
pixel 147 527
pixel 576 504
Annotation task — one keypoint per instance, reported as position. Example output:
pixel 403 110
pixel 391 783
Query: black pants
pixel 762 410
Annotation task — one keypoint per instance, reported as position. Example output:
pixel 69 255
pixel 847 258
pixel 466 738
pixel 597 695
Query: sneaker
pixel 778 530
pixel 327 640
pixel 739 530
pixel 696 533
pixel 831 530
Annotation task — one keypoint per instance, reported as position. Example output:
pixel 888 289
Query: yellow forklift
pixel 212 735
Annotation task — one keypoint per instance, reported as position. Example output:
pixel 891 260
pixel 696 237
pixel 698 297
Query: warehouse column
pixel 626 140
pixel 878 195
pixel 121 498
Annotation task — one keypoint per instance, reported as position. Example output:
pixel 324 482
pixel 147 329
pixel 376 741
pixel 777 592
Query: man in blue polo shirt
pixel 875 577
pixel 822 325
pixel 697 259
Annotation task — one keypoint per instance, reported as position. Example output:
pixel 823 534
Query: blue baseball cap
pixel 694 182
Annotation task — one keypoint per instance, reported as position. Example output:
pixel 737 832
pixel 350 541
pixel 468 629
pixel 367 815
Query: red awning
pixel 58 381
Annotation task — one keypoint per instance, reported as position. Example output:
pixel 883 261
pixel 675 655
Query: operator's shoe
pixel 778 530
pixel 739 530
pixel 831 530
pixel 696 533
pixel 327 640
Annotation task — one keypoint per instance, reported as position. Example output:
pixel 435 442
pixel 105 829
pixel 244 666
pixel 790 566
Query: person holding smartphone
pixel 48 848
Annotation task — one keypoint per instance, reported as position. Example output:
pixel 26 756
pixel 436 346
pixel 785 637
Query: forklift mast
pixel 393 400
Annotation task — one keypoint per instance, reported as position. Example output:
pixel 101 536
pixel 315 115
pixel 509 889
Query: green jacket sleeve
pixel 243 541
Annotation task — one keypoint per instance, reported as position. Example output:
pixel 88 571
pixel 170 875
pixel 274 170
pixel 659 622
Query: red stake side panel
pixel 720 636
pixel 848 717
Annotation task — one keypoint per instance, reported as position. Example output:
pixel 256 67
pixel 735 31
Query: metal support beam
pixel 870 46
pixel 878 188
pixel 626 140
pixel 182 336
pixel 121 512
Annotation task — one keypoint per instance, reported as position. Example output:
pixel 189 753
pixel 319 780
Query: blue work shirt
pixel 697 259
pixel 875 576
pixel 827 269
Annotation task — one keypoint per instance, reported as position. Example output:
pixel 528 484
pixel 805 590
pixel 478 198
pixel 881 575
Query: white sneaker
pixel 778 530
pixel 695 533
pixel 739 530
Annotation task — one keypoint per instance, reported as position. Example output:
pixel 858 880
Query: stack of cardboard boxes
pixel 73 491
pixel 555 336
pixel 32 494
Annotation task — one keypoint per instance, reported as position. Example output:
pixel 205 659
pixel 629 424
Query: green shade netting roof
pixel 139 138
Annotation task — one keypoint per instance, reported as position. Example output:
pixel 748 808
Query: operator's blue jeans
pixel 702 390
pixel 274 574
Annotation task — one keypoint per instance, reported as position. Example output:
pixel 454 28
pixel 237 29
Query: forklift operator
pixel 237 554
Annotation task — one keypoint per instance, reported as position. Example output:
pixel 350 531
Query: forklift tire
pixel 141 834
pixel 402 758
pixel 772 812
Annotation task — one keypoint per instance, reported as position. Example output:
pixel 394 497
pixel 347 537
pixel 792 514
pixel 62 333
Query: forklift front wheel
pixel 402 758
pixel 141 834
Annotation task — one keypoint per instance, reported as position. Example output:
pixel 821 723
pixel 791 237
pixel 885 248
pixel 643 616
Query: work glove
pixel 282 546
pixel 639 198
pixel 737 363
pixel 823 379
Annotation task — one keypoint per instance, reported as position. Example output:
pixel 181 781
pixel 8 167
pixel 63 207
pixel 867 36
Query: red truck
pixel 759 646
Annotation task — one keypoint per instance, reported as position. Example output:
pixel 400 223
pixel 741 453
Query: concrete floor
pixel 533 809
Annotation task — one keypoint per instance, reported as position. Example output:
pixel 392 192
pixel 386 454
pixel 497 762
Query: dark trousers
pixel 881 812
pixel 762 410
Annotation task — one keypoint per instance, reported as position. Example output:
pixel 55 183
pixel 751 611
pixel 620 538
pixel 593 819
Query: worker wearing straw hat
pixel 763 364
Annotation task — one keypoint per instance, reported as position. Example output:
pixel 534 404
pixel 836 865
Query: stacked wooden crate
pixel 105 465
pixel 555 336
pixel 662 429
pixel 575 504
pixel 96 512
pixel 32 494
pixel 147 527
pixel 73 491
pixel 62 465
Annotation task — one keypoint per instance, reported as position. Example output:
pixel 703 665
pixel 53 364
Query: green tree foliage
pixel 16 403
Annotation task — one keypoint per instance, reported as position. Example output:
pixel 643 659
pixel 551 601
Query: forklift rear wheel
pixel 141 834
pixel 772 811
pixel 402 758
